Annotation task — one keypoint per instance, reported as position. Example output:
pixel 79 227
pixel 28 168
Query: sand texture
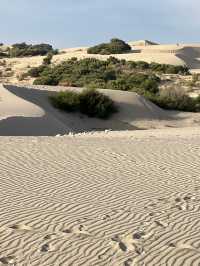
pixel 75 193
pixel 121 198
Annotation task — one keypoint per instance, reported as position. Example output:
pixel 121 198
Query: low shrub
pixel 116 46
pixel 94 73
pixel 23 49
pixel 96 104
pixel 175 99
pixel 66 100
pixel 89 102
pixel 35 71
pixel 46 80
pixel 47 59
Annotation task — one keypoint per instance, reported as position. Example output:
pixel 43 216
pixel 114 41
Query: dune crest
pixel 27 111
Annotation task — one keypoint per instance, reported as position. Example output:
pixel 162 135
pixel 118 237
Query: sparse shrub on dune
pixel 23 49
pixel 96 104
pixel 116 46
pixel 66 100
pixel 175 99
pixel 89 102
pixel 118 75
pixel 94 73
pixel 46 80
pixel 35 72
pixel 47 60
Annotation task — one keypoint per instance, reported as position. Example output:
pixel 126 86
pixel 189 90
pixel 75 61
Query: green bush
pixel 66 100
pixel 47 59
pixel 96 104
pixel 45 80
pixel 175 99
pixel 89 102
pixel 35 71
pixel 115 46
pixel 114 74
pixel 94 73
pixel 23 49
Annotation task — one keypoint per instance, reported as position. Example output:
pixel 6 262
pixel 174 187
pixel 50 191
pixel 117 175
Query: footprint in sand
pixel 183 246
pixel 47 247
pixel 9 260
pixel 67 231
pixel 21 227
pixel 80 230
pixel 50 236
pixel 128 262
pixel 184 204
pixel 121 245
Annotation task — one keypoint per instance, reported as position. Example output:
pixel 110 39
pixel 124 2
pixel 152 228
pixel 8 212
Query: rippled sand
pixel 116 198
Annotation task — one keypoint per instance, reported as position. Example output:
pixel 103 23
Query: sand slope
pixel 113 199
pixel 11 105
pixel 29 113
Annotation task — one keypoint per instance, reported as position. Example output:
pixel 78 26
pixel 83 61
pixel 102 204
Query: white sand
pixel 129 198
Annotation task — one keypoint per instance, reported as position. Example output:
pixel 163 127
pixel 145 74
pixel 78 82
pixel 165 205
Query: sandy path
pixel 129 198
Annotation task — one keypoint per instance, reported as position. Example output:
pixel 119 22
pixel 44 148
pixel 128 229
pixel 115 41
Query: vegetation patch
pixel 115 46
pixel 175 99
pixel 89 102
pixel 140 77
pixel 23 50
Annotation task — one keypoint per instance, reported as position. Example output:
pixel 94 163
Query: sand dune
pixel 13 106
pixel 115 199
pixel 175 54
pixel 26 111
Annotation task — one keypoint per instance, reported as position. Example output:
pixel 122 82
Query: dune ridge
pixel 116 198
pixel 27 111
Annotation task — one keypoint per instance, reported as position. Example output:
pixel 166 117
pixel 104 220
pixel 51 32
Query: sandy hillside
pixel 175 54
pixel 115 199
pixel 26 111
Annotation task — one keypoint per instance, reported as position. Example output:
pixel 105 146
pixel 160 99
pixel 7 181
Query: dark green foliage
pixel 89 102
pixel 142 65
pixel 175 100
pixel 169 69
pixel 96 104
pixel 47 59
pixel 46 80
pixel 36 71
pixel 23 49
pixel 66 100
pixel 115 74
pixel 94 73
pixel 115 46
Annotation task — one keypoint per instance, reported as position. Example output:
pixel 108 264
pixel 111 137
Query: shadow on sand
pixel 54 121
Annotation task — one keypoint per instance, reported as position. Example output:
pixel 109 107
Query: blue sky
pixel 70 23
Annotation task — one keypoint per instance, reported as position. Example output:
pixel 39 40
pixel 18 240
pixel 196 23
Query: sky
pixel 75 23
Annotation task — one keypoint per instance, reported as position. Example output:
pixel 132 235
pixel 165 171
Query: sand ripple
pixel 111 199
